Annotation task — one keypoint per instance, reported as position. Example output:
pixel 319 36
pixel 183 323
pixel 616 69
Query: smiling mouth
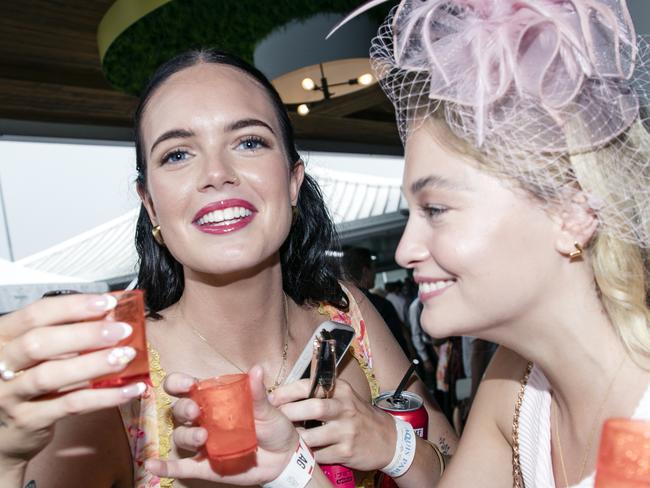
pixel 227 216
pixel 428 289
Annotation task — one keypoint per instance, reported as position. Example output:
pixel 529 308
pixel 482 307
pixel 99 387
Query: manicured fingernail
pixel 121 356
pixel 102 303
pixel 134 390
pixel 116 331
pixel 187 383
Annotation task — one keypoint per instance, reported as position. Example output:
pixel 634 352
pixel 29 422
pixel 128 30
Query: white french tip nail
pixel 134 390
pixel 111 302
pixel 102 303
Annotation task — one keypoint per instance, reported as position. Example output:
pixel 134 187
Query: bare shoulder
pixel 86 447
pixel 500 387
pixel 370 315
pixel 486 440
pixel 380 338
pixel 357 294
pixel 387 360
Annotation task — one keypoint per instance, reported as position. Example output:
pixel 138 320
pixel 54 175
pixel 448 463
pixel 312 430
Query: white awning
pixel 20 286
pixel 107 252
pixel 15 274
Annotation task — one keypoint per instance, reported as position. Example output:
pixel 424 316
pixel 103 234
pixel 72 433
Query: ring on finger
pixel 7 374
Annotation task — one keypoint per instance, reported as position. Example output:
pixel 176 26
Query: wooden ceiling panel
pixel 345 129
pixel 50 72
pixel 50 102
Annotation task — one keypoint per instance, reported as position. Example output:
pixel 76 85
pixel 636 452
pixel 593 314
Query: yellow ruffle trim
pixel 163 409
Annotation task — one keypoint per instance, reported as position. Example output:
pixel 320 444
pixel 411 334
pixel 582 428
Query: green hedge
pixel 232 25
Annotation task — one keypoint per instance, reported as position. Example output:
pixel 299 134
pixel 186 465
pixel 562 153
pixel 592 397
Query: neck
pixel 568 334
pixel 230 311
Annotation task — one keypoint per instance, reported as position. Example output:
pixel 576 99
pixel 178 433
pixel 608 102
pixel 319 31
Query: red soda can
pixel 339 475
pixel 410 408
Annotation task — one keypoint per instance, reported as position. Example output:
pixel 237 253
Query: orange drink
pixel 624 454
pixel 226 408
pixel 129 309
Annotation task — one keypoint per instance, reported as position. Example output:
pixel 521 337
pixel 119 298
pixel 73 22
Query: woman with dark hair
pixel 233 239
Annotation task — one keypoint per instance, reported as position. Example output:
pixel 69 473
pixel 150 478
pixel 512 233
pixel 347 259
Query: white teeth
pixel 225 216
pixel 434 286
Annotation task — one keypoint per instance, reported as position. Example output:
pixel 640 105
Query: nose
pixel 218 172
pixel 411 249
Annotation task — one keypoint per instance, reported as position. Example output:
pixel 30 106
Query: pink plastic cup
pixel 129 309
pixel 624 454
pixel 227 414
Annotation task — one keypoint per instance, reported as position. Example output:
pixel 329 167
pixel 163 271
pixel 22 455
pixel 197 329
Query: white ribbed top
pixel 535 433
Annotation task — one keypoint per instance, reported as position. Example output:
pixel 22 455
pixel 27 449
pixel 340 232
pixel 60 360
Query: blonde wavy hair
pixel 621 267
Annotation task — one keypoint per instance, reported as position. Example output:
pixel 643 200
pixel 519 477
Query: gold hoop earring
pixel 157 235
pixel 577 253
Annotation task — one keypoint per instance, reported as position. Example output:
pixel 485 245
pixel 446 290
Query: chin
pixel 439 325
pixel 240 263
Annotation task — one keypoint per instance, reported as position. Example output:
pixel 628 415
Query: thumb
pixel 262 409
pixel 275 433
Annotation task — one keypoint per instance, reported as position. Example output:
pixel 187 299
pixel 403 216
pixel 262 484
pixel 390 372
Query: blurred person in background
pixel 395 296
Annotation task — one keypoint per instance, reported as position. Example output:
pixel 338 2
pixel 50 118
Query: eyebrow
pixel 243 123
pixel 172 134
pixel 186 133
pixel 435 181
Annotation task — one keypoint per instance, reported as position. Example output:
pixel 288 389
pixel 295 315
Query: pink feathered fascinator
pixel 503 63
pixel 536 86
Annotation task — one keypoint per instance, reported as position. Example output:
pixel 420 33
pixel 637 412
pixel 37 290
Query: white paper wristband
pixel 299 470
pixel 404 450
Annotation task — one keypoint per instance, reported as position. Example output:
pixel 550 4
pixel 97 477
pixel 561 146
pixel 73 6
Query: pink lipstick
pixel 225 216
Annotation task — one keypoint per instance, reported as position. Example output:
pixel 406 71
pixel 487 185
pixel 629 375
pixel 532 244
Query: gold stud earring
pixel 157 235
pixel 577 253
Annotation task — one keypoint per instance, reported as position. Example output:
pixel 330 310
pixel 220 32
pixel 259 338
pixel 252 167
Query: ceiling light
pixel 303 109
pixel 296 73
pixel 365 79
pixel 308 84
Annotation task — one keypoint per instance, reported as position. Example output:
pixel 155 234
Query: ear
pixel 578 223
pixel 145 198
pixel 295 181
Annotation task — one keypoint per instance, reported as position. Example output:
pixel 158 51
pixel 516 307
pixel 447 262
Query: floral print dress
pixel 148 419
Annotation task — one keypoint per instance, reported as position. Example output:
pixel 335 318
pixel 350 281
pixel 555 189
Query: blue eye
pixel 252 143
pixel 175 156
pixel 432 212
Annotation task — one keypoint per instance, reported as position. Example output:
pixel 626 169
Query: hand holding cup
pixel 45 368
pixel 277 438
